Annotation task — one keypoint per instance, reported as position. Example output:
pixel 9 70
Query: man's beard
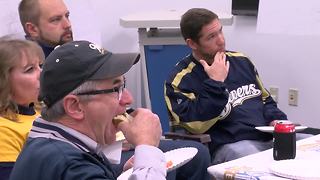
pixel 209 58
pixel 56 43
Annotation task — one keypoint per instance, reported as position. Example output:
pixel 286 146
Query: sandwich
pixel 125 117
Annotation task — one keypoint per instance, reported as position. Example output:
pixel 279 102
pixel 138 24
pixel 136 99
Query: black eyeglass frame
pixel 118 89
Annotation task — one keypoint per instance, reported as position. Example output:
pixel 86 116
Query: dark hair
pixel 193 20
pixel 29 11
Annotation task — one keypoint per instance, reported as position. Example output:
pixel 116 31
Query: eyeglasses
pixel 118 89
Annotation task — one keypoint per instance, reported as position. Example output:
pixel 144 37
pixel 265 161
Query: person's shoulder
pixel 50 150
pixel 4 122
pixel 12 127
pixel 59 158
pixel 182 68
pixel 238 57
pixel 184 63
pixel 236 54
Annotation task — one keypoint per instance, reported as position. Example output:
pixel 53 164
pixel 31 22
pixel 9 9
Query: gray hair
pixel 57 110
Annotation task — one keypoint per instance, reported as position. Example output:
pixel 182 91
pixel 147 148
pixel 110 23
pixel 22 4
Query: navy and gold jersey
pixel 229 111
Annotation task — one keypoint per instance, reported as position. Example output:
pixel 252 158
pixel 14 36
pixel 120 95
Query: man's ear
pixel 32 30
pixel 193 45
pixel 73 107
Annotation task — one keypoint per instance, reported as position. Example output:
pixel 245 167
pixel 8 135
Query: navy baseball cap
pixel 71 64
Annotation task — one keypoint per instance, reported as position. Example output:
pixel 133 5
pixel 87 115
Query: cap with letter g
pixel 71 64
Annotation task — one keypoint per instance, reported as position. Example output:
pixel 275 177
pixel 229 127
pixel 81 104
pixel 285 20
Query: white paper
pixel 113 152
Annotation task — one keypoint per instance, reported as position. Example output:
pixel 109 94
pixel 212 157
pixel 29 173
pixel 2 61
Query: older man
pixel 47 22
pixel 83 89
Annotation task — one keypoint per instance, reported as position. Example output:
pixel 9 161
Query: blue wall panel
pixel 160 59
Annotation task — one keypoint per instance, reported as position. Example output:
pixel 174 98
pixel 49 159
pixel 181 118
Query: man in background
pixel 219 92
pixel 47 22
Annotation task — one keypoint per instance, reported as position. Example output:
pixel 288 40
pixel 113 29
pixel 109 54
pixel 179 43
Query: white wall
pixel 119 39
pixel 283 60
pixel 9 18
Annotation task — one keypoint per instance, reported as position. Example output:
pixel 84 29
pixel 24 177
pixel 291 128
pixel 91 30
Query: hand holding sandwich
pixel 142 128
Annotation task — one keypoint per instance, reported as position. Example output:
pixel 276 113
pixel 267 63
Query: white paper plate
pixel 178 157
pixel 297 169
pixel 271 128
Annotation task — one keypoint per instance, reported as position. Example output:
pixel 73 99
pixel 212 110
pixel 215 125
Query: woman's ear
pixel 73 107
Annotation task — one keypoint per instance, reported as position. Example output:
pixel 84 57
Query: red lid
pixel 284 127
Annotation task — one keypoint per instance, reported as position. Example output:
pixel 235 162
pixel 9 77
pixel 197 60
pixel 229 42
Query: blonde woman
pixel 19 88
